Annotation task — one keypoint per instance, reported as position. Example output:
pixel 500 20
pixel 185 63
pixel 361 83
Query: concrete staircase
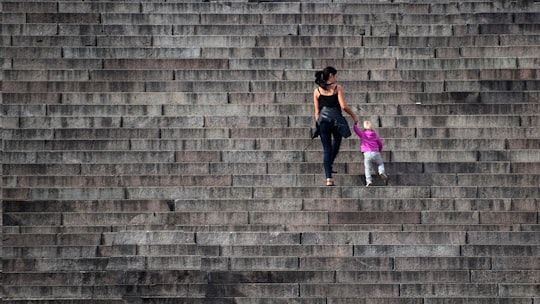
pixel 157 151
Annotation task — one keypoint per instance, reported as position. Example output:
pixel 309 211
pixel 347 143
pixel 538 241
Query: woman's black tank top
pixel 328 101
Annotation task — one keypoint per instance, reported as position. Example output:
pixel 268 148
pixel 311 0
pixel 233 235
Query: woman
pixel 329 101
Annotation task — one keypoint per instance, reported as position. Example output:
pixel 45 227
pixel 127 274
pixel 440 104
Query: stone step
pixel 294 111
pixel 255 227
pixel 225 86
pixel 141 98
pixel 277 18
pixel 314 204
pixel 307 218
pixel 252 18
pixel 261 63
pixel 259 86
pixel 269 52
pixel 261 276
pixel 299 180
pixel 127 181
pixel 383 40
pixel 447 7
pixel 269 64
pixel 310 300
pixel 472 227
pixel 429 120
pixel 257 156
pixel 83 239
pixel 191 192
pixel 70 301
pixel 458 63
pixel 271 41
pixel 249 18
pixel 437 256
pixel 23 258
pixel 194 167
pixel 117 156
pixel 255 238
pixel 266 144
pixel 424 30
pixel 434 218
pixel 27 258
pixel 306 8
pixel 349 168
pixel 347 75
pixel 97 64
pixel 485 132
pixel 456 100
pixel 427 205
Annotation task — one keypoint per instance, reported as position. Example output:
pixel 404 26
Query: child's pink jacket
pixel 371 142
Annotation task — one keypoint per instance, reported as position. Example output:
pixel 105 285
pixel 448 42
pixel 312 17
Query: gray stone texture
pixel 158 152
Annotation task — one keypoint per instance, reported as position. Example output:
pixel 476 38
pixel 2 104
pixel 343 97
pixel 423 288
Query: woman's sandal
pixel 330 182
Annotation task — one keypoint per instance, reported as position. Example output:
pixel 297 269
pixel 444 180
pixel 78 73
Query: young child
pixel 371 146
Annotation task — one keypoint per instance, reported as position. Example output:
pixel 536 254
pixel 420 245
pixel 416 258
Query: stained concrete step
pixel 307 218
pixel 426 205
pixel 269 52
pixel 219 277
pixel 463 101
pixel 426 30
pixel 267 144
pixel 96 64
pixel 325 256
pixel 60 301
pixel 270 41
pixel 251 18
pixel 346 75
pixel 429 120
pixel 23 258
pixel 261 63
pixel 257 156
pixel 52 239
pixel 294 111
pixel 192 192
pixel 447 7
pixel 472 133
pixel 294 18
pixel 259 86
pixel 279 238
pixel 279 30
pixel 159 168
pixel 30 258
pixel 423 179
pixel 290 291
pixel 194 167
pixel 462 63
pixel 125 181
pixel 255 300
pixel 141 98
pixel 255 227
pixel 215 86
pixel 283 205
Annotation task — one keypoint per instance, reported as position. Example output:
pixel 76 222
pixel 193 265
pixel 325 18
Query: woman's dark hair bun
pixel 321 77
pixel 319 80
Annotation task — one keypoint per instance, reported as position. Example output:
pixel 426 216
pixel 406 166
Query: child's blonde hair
pixel 368 125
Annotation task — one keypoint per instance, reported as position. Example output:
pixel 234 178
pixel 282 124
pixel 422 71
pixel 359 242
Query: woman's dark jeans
pixel 331 140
